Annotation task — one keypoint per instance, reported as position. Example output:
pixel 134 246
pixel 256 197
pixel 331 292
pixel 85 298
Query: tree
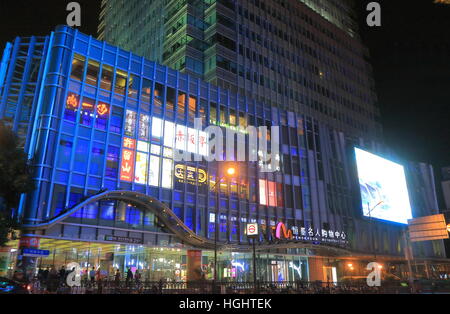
pixel 15 179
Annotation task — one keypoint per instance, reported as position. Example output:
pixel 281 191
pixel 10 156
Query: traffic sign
pixel 35 252
pixel 252 230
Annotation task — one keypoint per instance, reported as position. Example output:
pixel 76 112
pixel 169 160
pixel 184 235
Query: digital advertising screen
pixel 384 192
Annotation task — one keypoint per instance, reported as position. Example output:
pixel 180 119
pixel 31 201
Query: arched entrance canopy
pixel 174 224
pixel 143 202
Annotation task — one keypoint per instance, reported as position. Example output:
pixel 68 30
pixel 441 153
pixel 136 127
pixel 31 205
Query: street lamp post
pixel 231 171
pixel 371 227
pixel 253 233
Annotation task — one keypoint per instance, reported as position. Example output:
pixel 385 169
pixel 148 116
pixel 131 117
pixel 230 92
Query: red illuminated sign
pixel 129 143
pixel 72 102
pixel 127 167
pixel 272 194
pixel 102 109
pixel 281 232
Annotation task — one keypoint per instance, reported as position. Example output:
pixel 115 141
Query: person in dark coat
pixel 129 278
pixel 52 281
pixel 45 276
pixel 62 275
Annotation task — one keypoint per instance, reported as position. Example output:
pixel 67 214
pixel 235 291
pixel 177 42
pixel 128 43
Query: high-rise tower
pixel 304 55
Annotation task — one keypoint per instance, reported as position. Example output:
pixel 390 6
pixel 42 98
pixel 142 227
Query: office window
pixel 143 146
pixel 97 158
pixel 223 112
pixel 72 105
pixel 189 221
pixel 92 72
pixel 263 192
pixel 146 90
pixel 75 197
pixel 107 210
pixel 107 77
pixel 272 194
pixel 65 150
pixel 116 120
pixel 280 197
pixel 167 174
pixel 87 112
pixel 202 111
pixel 181 106
pixel 242 120
pixel 133 86
pixel 121 82
pixel 213 113
pixel 153 175
pixel 170 101
pixel 169 134
pixel 149 219
pixel 112 162
pixel 158 100
pixel 78 67
pixel 102 116
pixel 156 129
pixel 232 117
pixel 134 216
pixel 81 156
pixel 192 108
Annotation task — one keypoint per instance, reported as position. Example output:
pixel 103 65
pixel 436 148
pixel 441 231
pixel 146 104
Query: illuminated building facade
pixel 100 126
pixel 304 56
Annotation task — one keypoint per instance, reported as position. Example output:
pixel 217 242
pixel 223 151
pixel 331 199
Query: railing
pixel 209 287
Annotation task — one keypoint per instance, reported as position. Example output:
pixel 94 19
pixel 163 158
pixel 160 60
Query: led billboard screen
pixel 383 188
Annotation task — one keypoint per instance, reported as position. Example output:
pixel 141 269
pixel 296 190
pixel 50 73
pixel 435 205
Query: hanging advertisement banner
pixel 127 167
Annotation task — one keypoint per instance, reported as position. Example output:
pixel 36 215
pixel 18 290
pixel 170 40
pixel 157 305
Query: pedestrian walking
pixel 52 281
pixel 45 276
pixel 117 278
pixel 129 277
pixel 62 276
pixel 92 275
pixel 137 277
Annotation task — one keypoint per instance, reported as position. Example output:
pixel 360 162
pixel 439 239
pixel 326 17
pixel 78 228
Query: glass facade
pixel 109 120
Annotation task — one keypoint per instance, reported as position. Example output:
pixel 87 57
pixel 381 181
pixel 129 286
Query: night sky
pixel 410 56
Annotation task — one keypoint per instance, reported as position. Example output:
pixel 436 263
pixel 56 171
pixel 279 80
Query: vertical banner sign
pixel 127 166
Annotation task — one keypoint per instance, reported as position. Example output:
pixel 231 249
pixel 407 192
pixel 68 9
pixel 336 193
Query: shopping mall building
pixel 101 127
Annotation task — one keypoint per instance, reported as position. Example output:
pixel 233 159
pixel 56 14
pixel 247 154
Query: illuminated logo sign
pixel 27 242
pixel 252 230
pixel 74 277
pixel 72 102
pixel 281 232
pixel 102 109
pixel 190 175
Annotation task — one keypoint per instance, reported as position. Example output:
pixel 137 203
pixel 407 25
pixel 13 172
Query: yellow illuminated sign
pixel 191 175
